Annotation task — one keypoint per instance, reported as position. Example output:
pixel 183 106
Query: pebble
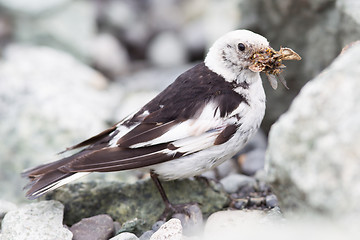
pixel 146 235
pixel 192 224
pixel 172 229
pixel 240 203
pixel 123 236
pixel 100 227
pixel 109 56
pixel 271 201
pixel 158 52
pixel 252 161
pixel 157 225
pixel 38 220
pixel 256 201
pixel 234 182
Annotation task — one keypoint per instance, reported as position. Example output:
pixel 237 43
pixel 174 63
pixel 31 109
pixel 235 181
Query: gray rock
pixel 5 207
pixel 241 203
pixel 232 224
pixel 158 52
pixel 227 168
pixel 252 162
pixel 42 221
pixel 193 223
pixel 125 236
pixel 70 27
pixel 234 182
pixel 312 160
pixel 146 235
pixel 172 229
pixel 48 101
pixel 109 56
pixel 271 201
pixel 157 225
pixel 100 227
pixel 139 202
pixel 36 7
pixel 251 158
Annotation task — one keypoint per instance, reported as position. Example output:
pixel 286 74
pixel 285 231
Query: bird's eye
pixel 241 46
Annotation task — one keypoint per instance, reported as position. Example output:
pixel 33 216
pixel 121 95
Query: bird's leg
pixel 170 208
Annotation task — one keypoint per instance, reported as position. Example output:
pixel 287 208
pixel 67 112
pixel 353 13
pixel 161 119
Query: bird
pixel 199 121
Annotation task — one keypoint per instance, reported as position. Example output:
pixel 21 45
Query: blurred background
pixel 70 68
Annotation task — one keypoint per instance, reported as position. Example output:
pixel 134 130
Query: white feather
pixel 60 183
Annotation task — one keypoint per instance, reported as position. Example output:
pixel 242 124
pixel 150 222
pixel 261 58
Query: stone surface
pixel 146 235
pixel 109 56
pixel 157 225
pixel 234 182
pixel 271 201
pixel 5 207
pixel 158 52
pixel 252 161
pixel 313 156
pixel 100 227
pixel 140 201
pixel 192 224
pixel 36 6
pixel 48 101
pixel 172 229
pixel 260 225
pixel 41 221
pixel 232 224
pixel 71 28
pixel 125 236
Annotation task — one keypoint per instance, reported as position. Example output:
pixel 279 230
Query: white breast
pixel 199 162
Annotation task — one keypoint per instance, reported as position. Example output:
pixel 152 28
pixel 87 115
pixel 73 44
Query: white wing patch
pixel 208 119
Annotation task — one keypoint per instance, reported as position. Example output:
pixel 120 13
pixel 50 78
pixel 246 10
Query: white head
pixel 231 54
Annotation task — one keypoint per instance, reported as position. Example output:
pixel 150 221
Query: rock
pixel 48 101
pixel 157 225
pixel 271 201
pixel 192 224
pixel 41 220
pixel 125 236
pixel 172 229
pixel 146 235
pixel 240 203
pixel 232 224
pixel 251 158
pixel 70 28
pixel 5 207
pixel 259 225
pixel 312 160
pixel 139 202
pixel 134 225
pixel 35 8
pixel 109 56
pixel 100 227
pixel 252 162
pixel 158 52
pixel 234 182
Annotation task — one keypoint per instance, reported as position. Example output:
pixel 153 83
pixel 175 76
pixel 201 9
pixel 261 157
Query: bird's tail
pixel 48 177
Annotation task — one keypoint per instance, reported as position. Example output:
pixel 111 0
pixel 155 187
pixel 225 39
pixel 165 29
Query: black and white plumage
pixel 202 119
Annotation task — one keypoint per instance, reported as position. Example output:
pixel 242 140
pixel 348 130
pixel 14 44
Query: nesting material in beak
pixel 270 62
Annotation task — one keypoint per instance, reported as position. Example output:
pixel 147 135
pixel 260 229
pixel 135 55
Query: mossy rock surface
pixel 141 200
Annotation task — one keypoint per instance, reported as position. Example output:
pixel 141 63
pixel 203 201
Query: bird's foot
pixel 171 209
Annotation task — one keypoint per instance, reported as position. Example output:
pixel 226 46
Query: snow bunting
pixel 202 119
